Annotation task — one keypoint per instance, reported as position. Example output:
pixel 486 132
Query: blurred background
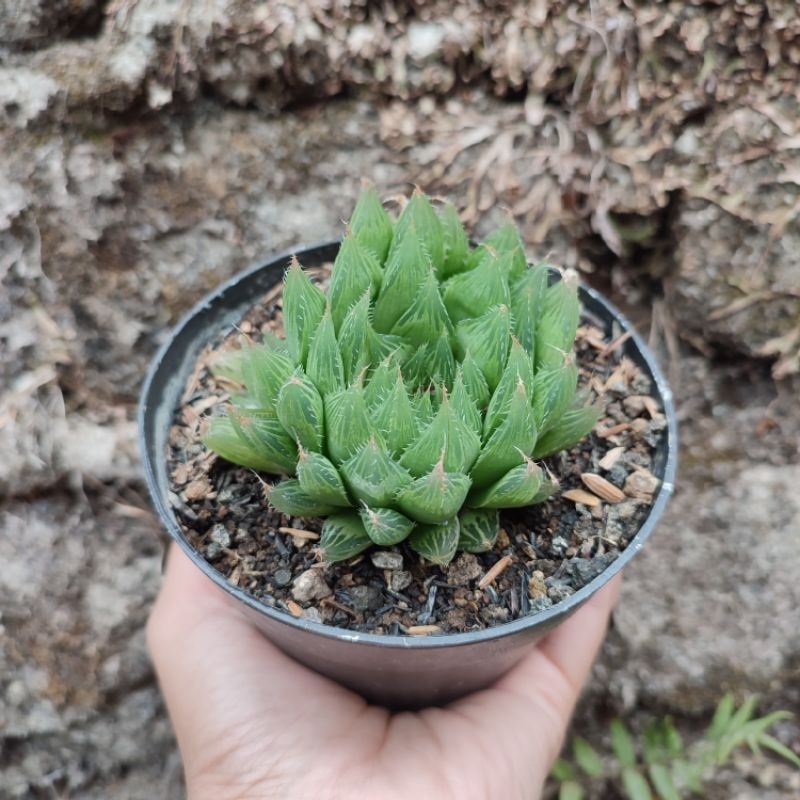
pixel 149 149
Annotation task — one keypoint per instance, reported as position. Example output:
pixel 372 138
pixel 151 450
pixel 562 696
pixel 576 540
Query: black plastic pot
pixel 395 671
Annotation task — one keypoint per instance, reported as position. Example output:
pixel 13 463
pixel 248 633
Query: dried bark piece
pixel 611 457
pixel 582 496
pixel 423 630
pixel 494 572
pixel 199 489
pixel 602 488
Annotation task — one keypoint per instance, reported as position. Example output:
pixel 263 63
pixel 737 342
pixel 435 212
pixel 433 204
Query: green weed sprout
pixel 660 765
pixel 411 399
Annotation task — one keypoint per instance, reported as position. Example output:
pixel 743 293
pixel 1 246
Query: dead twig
pixel 494 572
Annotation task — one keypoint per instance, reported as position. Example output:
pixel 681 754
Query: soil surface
pixel 143 160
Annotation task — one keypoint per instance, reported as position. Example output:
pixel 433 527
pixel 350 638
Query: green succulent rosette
pixel 411 399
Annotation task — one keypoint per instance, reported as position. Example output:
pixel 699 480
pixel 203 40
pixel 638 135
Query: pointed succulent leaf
pixel 477 255
pixel 272 341
pixel 300 410
pixel 289 498
pixel 508 246
pixel 357 339
pixel 518 368
pixel 501 452
pixel 487 339
pixel 303 306
pixel 516 489
pixel 480 288
pixel 373 476
pixel 393 417
pixel 319 479
pixel 407 267
pixel 325 366
pixel 227 363
pixel 423 409
pixel 425 318
pixel 474 381
pixel 456 243
pixel 381 382
pixel 435 497
pixel 478 530
pixel 553 392
pixel 436 543
pixel 355 272
pixel 443 363
pixel 527 295
pixel 547 489
pixel 343 536
pixel 385 526
pixel 268 436
pixel 420 216
pixel 464 405
pixel 416 368
pixel 224 440
pixel 347 425
pixel 432 363
pixel 264 370
pixel 571 427
pixel 387 345
pixel 445 434
pixel 558 322
pixel 370 223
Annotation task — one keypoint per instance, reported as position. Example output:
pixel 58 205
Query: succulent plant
pixel 412 397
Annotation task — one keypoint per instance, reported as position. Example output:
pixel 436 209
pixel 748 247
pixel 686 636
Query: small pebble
pixel 463 570
pixel 654 431
pixel 310 585
pixel 640 383
pixel 557 590
pixel 226 495
pixel 641 484
pixel 220 536
pixel 312 613
pixel 213 550
pixel 584 570
pixel 282 577
pixel 364 598
pixel 387 559
pixel 242 534
pixel 537 586
pixel 634 405
pixel 400 579
pixel 492 615
pixel 540 603
pixel 559 545
pixel 639 427
pixel 618 473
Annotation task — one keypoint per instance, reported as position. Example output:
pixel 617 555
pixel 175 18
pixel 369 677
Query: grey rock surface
pixel 723 566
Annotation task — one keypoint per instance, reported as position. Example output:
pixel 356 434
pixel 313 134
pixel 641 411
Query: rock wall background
pixel 151 148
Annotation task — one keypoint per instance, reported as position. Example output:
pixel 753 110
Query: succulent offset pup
pixel 412 398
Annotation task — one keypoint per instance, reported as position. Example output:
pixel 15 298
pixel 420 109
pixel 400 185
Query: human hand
pixel 253 724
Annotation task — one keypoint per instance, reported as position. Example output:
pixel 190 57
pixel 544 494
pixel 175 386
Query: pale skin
pixel 254 725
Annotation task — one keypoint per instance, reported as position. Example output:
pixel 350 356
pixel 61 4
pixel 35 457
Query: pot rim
pixel 405 641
